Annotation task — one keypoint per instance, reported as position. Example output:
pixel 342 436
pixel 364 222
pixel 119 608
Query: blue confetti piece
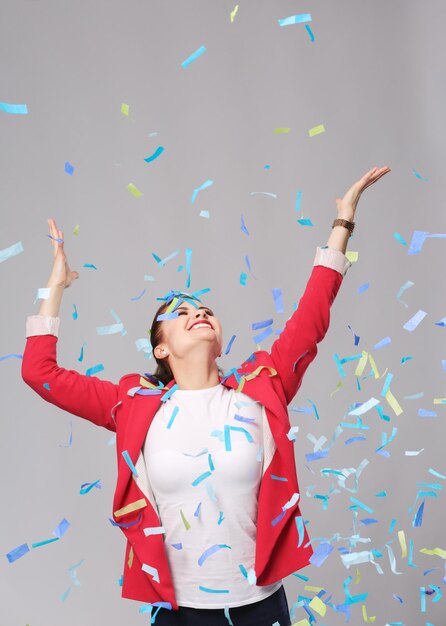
pixel 243 226
pixel 13 250
pixel 231 341
pixel 382 343
pixel 321 554
pixel 418 519
pixel 74 313
pixel 197 511
pixel 200 478
pixel 243 277
pixel 46 386
pixel 298 200
pixel 169 393
pixel 188 264
pixel 399 238
pixel 418 239
pixel 44 543
pixel 227 437
pixel 86 487
pixel 69 168
pixel 300 529
pixel 81 355
pixel 139 297
pixel 205 214
pixel 10 356
pixel 167 316
pixel 177 546
pixel 282 478
pixel 278 301
pixel 155 155
pixel 206 184
pixel 442 322
pixel 210 551
pixel 353 439
pixel 193 56
pixel 17 553
pixel 93 370
pixel 295 19
pixel 305 221
pixel 173 416
pixel 368 520
pixel 363 287
pixel 314 408
pixel 315 456
pixel 90 265
pixel 411 324
pixel 426 413
pixel 263 335
pixel 129 462
pixel 212 590
pixel 277 519
pixel 262 324
pixel 14 109
pixel 62 528
pixel 310 32
pixel 418 175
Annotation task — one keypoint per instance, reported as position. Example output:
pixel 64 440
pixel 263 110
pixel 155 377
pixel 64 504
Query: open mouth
pixel 200 325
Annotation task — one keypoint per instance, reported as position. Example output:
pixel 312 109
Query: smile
pixel 200 325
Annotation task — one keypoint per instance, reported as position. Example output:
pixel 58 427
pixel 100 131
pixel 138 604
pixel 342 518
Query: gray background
pixel 375 77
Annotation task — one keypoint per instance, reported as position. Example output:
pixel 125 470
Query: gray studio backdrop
pixel 374 76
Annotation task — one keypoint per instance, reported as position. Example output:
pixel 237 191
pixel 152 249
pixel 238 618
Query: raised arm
pixel 296 346
pixel 85 396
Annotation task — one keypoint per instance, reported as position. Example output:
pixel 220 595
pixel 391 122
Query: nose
pixel 198 313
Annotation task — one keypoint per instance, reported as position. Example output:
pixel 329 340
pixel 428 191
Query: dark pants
pixel 272 609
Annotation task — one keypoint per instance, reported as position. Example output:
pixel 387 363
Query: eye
pixel 209 312
pixel 182 313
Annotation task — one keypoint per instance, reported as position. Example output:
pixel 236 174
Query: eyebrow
pixel 200 307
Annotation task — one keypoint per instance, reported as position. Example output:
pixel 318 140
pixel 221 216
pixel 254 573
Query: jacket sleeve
pixel 296 346
pixel 85 396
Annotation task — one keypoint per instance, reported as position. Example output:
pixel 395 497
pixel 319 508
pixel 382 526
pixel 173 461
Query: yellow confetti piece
pixel 358 576
pixel 302 622
pixel 76 230
pixel 134 190
pixel 316 130
pixel 185 522
pixel 373 366
pixel 338 386
pixel 317 605
pixel 281 130
pixel 124 108
pixel 368 620
pixel 439 400
pixel 313 589
pixel 130 561
pixel 146 383
pixel 233 13
pixel 402 540
pixel 133 506
pixel 352 256
pixel 362 363
pixel 436 552
pixel 393 403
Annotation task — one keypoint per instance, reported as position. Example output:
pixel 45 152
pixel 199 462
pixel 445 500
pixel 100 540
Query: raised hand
pixel 346 206
pixel 61 275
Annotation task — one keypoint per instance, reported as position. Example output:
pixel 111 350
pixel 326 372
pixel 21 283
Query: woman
pixel 207 493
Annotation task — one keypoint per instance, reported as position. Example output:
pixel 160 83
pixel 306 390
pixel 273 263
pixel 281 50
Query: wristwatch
pixel 350 226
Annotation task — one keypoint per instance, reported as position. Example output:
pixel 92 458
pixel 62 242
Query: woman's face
pixel 193 327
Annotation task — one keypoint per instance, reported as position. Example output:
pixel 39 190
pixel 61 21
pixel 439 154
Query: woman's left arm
pixel 296 346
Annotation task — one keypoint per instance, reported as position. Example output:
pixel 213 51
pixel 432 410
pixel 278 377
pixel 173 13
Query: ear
pixel 160 352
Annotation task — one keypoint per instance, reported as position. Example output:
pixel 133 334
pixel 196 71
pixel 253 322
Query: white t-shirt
pixel 204 459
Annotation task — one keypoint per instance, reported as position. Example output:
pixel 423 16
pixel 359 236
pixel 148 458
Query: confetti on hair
pixel 193 56
pixel 155 155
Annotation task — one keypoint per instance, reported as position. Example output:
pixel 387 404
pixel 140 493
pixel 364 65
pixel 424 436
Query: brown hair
pixel 163 372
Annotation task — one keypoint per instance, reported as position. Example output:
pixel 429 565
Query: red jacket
pixel 277 377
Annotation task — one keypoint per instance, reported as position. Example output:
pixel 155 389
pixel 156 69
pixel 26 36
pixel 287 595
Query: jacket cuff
pixel 334 259
pixel 42 325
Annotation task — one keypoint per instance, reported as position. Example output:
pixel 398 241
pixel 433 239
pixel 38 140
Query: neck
pixel 195 373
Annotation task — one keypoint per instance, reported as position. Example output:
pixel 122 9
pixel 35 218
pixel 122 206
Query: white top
pixel 205 476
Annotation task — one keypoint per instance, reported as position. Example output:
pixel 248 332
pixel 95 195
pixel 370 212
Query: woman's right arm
pixel 85 396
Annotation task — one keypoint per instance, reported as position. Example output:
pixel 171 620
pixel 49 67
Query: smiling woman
pixel 207 493
pixel 163 337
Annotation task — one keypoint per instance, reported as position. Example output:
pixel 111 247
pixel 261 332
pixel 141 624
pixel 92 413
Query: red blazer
pixel 277 377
